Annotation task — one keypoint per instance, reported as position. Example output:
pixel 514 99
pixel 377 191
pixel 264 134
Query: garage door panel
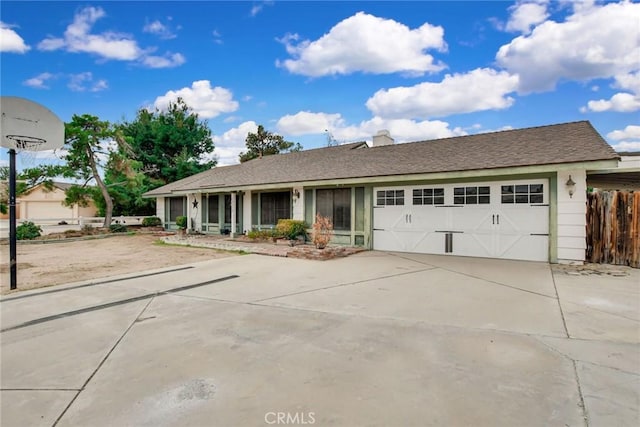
pixel 506 220
pixel 528 248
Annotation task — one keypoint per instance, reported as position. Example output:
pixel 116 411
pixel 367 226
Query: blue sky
pixel 421 69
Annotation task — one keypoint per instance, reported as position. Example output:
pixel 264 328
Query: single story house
pixel 514 194
pixel 41 203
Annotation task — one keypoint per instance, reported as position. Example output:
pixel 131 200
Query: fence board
pixel 613 228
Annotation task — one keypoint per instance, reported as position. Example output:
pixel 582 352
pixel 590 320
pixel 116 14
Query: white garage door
pixel 507 219
pixel 43 210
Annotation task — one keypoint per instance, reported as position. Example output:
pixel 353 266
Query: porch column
pixel 233 215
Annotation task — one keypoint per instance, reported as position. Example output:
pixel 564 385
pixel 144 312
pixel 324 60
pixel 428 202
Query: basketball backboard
pixel 29 126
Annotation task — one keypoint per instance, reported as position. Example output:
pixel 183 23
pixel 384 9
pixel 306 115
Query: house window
pixel 471 195
pixel 336 205
pixel 213 201
pixel 176 208
pixel 227 209
pixel 428 196
pixel 532 193
pixel 390 198
pixel 274 206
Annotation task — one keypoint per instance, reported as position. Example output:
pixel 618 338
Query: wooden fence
pixel 613 228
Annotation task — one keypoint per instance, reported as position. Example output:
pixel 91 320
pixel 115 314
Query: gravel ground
pixel 49 264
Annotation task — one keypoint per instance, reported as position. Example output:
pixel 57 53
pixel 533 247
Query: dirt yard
pixel 57 263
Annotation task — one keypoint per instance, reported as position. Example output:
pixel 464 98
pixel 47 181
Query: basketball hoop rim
pixel 25 142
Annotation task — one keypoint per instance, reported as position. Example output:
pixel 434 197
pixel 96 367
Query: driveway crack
pixel 102 362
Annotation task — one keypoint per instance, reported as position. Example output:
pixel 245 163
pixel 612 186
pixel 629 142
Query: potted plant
pixel 181 222
pixel 322 231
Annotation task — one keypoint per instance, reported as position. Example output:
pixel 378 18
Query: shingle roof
pixel 553 144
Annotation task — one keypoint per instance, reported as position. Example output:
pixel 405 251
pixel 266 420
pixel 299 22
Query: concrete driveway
pixel 375 339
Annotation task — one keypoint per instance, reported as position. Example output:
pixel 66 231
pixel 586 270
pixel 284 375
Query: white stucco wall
pixel 194 213
pixel 246 212
pixel 160 208
pixel 297 209
pixel 572 217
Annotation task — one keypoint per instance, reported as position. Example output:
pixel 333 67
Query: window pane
pixel 400 201
pixel 212 207
pixel 428 191
pixel 324 203
pixel 522 189
pixel 458 191
pixel 507 189
pixel 522 198
pixel 342 209
pixel 472 200
pixel 308 207
pixel 417 193
pixel 428 200
pixel 483 190
pixel 417 200
pixel 536 198
pixel 536 188
pixel 472 190
pixel 380 201
pixel 359 209
pixel 483 200
pixel 399 193
pixel 390 194
pixel 390 202
pixel 227 208
pixel 380 194
pixel 176 208
pixel 439 200
pixel 438 192
pixel 458 200
pixel 507 198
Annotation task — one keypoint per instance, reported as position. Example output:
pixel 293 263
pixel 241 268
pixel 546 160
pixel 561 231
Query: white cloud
pixel 10 41
pixel 402 130
pixel 306 122
pixel 620 102
pixel 626 146
pixel 477 90
pixel 231 143
pixel 39 81
pixel 170 60
pixel 587 45
pixel 159 29
pixel 83 82
pixel 205 100
pixel 630 132
pixel 107 45
pixel 368 44
pixel 525 15
pixel 257 8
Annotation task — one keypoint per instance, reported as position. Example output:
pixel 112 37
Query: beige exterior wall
pixel 297 209
pixel 246 212
pixel 160 208
pixel 572 220
pixel 40 203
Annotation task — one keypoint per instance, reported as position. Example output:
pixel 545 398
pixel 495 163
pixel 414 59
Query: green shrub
pixel 181 222
pixel 291 228
pixel 28 231
pixel 262 234
pixel 151 221
pixel 118 228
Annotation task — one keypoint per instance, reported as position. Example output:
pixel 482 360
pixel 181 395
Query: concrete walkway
pixel 373 339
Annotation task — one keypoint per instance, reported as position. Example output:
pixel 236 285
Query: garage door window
pixel 532 193
pixel 428 196
pixel 471 195
pixel 390 198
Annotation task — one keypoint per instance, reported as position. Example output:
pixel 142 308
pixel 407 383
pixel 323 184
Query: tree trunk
pixel 103 189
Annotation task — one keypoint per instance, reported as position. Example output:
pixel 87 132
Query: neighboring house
pixel 39 203
pixel 516 194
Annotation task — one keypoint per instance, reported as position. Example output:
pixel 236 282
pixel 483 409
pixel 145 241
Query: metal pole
pixel 13 263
